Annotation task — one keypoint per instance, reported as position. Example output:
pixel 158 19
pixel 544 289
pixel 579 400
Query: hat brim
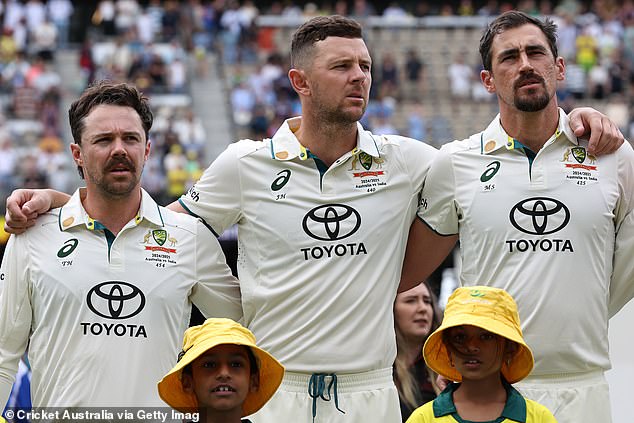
pixel 271 373
pixel 438 359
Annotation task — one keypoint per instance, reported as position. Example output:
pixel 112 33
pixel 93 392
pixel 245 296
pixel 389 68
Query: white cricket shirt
pixel 544 232
pixel 320 256
pixel 106 322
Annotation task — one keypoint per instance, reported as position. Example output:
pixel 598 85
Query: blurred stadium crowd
pixel 426 72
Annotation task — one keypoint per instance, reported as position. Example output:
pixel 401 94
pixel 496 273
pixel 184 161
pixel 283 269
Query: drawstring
pixel 317 389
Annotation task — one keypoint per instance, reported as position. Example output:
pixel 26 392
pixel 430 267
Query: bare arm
pixel 177 207
pixel 25 205
pixel 425 251
pixel 605 135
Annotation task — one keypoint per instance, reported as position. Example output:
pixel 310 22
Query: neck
pixel 209 415
pixel 532 129
pixel 412 349
pixel 327 140
pixel 111 211
pixel 480 400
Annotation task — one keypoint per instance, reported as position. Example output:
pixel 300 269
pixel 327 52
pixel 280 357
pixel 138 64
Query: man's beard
pixel 535 102
pixel 532 104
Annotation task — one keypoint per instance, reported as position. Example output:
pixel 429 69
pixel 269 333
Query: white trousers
pixel 369 397
pixel 572 398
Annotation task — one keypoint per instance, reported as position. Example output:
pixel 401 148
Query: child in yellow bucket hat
pixel 480 346
pixel 221 373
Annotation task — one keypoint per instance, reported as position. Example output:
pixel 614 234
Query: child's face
pixel 221 378
pixel 476 353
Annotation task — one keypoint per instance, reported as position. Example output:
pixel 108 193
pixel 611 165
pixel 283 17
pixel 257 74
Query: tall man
pixel 323 211
pixel 537 215
pixel 101 289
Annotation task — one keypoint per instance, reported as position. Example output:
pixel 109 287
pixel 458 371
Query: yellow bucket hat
pixel 491 309
pixel 201 338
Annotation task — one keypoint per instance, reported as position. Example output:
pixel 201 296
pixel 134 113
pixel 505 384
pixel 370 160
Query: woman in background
pixel 416 315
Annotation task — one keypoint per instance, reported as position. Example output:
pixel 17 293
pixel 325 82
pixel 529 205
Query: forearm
pixel 58 198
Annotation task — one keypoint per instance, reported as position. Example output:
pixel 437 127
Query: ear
pixel 147 149
pixel 299 81
pixel 487 80
pixel 75 150
pixel 510 349
pixel 561 68
pixel 187 383
pixel 254 382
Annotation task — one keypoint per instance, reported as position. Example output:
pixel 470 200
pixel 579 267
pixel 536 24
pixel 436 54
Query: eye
pixel 487 336
pixel 458 338
pixel 209 364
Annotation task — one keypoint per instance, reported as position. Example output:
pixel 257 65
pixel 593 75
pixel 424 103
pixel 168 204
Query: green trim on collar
pixel 110 237
pixel 515 408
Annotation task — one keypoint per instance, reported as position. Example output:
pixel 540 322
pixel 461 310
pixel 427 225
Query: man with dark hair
pixel 539 216
pixel 323 210
pixel 101 288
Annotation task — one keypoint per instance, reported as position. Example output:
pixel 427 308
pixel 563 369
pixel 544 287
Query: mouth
pixel 472 363
pixel 223 389
pixel 120 168
pixel 529 81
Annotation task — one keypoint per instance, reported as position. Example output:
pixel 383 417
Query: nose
pixel 359 75
pixel 118 147
pixel 223 372
pixel 525 63
pixel 472 345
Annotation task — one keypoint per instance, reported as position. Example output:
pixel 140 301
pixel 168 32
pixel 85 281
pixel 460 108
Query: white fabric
pixel 560 278
pixel 320 302
pixel 369 397
pixel 84 349
pixel 583 398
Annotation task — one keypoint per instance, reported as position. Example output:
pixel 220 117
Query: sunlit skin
pixel 334 88
pixel 221 379
pixel 112 154
pixel 524 75
pixel 413 312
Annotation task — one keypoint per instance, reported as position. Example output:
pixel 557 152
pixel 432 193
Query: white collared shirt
pixel 320 255
pixel 545 231
pixel 104 316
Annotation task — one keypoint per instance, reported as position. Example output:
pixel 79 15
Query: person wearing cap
pixel 480 346
pixel 538 215
pixel 221 373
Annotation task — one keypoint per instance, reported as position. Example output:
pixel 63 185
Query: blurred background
pixel 215 72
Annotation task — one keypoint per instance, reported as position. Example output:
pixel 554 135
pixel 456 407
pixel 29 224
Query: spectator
pixel 416 315
pixel 60 12
pixel 460 76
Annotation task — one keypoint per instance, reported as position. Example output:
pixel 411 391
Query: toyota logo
pixel 331 222
pixel 539 216
pixel 115 300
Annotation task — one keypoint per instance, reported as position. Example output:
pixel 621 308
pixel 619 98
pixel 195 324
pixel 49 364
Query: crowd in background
pixel 160 44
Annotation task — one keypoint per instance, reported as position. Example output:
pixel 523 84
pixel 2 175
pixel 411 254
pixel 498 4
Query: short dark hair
pixel 317 29
pixel 106 92
pixel 514 19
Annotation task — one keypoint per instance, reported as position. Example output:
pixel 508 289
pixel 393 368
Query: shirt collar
pixel 514 409
pixel 495 137
pixel 73 213
pixel 286 146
